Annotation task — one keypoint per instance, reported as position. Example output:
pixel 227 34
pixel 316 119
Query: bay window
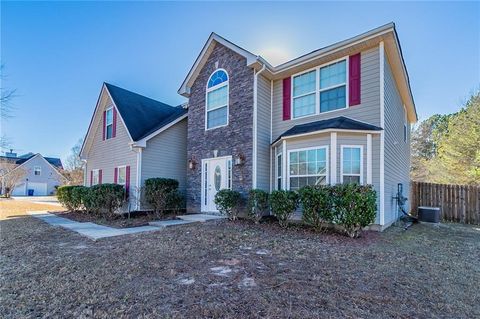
pixel 279 171
pixel 308 167
pixel 352 164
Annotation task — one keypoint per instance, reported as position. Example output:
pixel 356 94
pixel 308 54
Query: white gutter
pixel 255 103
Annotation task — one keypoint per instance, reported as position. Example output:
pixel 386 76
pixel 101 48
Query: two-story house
pixel 35 175
pixel 340 114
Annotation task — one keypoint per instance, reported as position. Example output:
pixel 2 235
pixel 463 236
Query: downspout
pixel 85 170
pixel 254 152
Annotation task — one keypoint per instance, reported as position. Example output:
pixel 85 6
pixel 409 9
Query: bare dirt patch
pixel 215 270
pixel 11 208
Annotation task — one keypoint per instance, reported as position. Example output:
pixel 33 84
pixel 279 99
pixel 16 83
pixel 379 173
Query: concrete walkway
pixel 95 231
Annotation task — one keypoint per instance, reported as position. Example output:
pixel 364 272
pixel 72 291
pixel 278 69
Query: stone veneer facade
pixel 234 139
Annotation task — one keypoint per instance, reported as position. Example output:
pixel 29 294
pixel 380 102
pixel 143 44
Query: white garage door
pixel 19 190
pixel 39 189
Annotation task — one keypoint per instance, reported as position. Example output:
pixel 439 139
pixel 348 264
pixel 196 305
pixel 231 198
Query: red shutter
pixel 287 98
pixel 114 129
pixel 354 79
pixel 99 176
pixel 115 175
pixel 127 180
pixel 104 121
pixel 91 178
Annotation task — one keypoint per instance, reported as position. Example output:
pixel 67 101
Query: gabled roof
pixel 337 123
pixel 205 53
pixel 142 115
pixel 56 162
pixel 386 33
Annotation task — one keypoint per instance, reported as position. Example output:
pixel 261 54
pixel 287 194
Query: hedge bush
pixel 354 207
pixel 283 204
pixel 317 205
pixel 66 197
pixel 228 203
pixel 162 194
pixel 105 199
pixel 78 195
pixel 257 204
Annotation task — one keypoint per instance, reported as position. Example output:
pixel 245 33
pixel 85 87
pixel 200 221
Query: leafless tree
pixel 74 165
pixel 10 175
pixel 6 107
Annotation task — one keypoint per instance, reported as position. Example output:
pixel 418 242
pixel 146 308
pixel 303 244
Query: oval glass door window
pixel 218 178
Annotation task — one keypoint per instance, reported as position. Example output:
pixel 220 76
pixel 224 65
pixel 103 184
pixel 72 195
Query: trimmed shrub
pixel 161 193
pixel 317 202
pixel 66 197
pixel 78 195
pixel 257 204
pixel 88 198
pixel 354 207
pixel 283 204
pixel 228 203
pixel 106 198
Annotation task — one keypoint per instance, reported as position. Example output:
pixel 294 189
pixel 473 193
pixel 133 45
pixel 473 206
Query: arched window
pixel 217 100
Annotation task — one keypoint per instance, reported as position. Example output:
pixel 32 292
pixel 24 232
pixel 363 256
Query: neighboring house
pixel 336 115
pixel 40 175
pixel 132 138
pixel 339 114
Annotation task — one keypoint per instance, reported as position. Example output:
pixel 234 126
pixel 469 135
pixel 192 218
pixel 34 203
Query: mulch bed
pixel 224 269
pixel 134 219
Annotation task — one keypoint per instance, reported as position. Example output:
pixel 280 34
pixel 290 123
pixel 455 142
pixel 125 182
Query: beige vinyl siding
pixel 111 153
pixel 166 155
pixel 368 111
pixel 361 140
pixel 397 152
pixel 263 132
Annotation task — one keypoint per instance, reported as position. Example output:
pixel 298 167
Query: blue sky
pixel 57 54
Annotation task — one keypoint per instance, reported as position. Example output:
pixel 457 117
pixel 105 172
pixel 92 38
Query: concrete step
pixel 200 217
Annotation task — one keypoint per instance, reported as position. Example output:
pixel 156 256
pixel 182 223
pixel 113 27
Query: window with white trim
pixel 304 94
pixel 37 171
pixel 109 123
pixel 352 164
pixel 95 177
pixel 279 171
pixel 405 130
pixel 330 92
pixel 333 86
pixel 308 167
pixel 216 113
pixel 122 175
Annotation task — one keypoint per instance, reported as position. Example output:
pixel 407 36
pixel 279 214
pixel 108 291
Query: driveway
pixel 228 269
pixel 51 200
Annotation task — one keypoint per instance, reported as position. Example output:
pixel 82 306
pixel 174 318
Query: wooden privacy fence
pixel 458 203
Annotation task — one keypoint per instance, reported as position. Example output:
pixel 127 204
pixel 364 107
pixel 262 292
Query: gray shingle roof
pixel 142 115
pixel 56 162
pixel 341 123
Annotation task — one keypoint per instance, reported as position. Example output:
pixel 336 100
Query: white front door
pixel 215 177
